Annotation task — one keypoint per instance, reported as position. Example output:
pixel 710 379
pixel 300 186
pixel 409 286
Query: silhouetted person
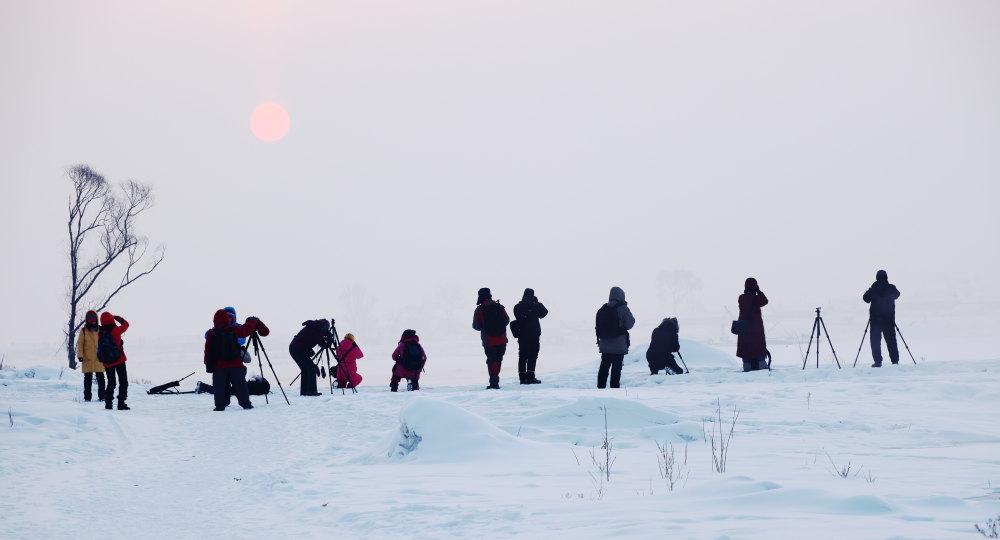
pixel 528 332
pixel 612 324
pixel 881 297
pixel 752 346
pixel 491 320
pixel 662 346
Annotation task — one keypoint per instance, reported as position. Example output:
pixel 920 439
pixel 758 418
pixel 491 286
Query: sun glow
pixel 269 122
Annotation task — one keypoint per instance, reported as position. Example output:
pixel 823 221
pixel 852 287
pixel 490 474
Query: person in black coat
pixel 662 346
pixel 528 332
pixel 312 334
pixel 881 297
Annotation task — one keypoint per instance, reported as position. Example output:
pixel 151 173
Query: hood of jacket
pixel 750 284
pixel 617 294
pixel 107 319
pixel 221 319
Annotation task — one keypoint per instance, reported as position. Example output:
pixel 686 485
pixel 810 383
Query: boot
pixel 123 407
pixel 494 383
pixel 394 387
pixel 877 364
pixel 107 405
pixel 523 378
pixel 414 384
pixel 530 378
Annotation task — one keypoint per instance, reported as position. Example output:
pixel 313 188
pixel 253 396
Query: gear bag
pixel 494 319
pixel 258 386
pixel 413 356
pixel 108 352
pixel 223 346
pixel 608 325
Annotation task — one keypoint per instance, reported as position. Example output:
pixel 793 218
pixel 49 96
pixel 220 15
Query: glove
pixel 119 318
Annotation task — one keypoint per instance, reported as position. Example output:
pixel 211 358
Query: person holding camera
pixel 491 320
pixel 528 332
pixel 751 346
pixel 881 297
pixel 224 357
pixel 313 333
pixel 86 353
pixel 111 353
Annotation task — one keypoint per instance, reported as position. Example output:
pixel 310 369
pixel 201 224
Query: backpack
pixel 413 356
pixel 494 321
pixel 108 352
pixel 608 326
pixel 258 387
pixel 224 346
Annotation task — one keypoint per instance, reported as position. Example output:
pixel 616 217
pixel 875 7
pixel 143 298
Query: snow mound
pixel 582 422
pixel 41 373
pixel 434 431
pixel 696 355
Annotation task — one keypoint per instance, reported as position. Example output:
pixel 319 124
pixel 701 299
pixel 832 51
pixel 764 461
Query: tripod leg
pixel 270 365
pixel 686 370
pixel 260 366
pixel 862 342
pixel 809 347
pixel 830 342
pixel 328 370
pixel 904 343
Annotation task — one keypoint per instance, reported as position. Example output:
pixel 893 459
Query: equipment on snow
pixel 165 388
pixel 817 324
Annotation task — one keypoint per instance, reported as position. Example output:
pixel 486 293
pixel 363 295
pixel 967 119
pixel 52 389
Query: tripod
pixel 258 348
pixel 818 327
pixel 336 344
pixel 898 331
pixel 317 359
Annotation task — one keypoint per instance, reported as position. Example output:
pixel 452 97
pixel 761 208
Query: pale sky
pixel 437 147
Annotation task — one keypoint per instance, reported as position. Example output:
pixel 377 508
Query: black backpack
pixel 608 326
pixel 413 356
pixel 224 346
pixel 494 321
pixel 258 387
pixel 108 351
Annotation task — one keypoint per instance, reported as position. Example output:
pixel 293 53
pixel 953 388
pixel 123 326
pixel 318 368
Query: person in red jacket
pixel 410 359
pixel 224 357
pixel 347 367
pixel 491 319
pixel 112 355
pixel 752 347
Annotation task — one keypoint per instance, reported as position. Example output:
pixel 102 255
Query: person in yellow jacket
pixel 86 351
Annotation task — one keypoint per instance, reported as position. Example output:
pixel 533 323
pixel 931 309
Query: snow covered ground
pixel 922 442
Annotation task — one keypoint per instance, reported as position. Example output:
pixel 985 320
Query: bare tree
pixel 98 211
pixel 677 285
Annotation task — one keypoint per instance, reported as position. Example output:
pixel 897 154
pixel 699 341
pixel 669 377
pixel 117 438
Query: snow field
pixel 465 462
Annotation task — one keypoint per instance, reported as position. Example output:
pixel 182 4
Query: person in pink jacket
pixel 410 359
pixel 347 369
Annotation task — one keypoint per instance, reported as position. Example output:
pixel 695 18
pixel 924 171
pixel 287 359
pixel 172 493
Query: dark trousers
pixel 494 358
pixel 307 381
pixel 888 329
pixel 612 362
pixel 235 376
pixel 114 375
pixel 527 355
pixel 88 382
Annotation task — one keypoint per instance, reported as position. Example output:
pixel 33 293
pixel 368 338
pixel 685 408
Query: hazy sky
pixel 440 146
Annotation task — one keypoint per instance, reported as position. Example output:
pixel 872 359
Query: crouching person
pixel 347 363
pixel 662 346
pixel 410 359
pixel 256 386
pixel 224 357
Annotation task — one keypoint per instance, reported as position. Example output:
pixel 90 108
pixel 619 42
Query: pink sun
pixel 269 122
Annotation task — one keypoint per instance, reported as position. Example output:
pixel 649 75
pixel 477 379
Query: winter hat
pixel 881 275
pixel 484 294
pixel 408 333
pixel 349 336
pixel 107 319
pixel 528 294
pixel 751 285
pixel 91 317
pixel 324 324
pixel 221 319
